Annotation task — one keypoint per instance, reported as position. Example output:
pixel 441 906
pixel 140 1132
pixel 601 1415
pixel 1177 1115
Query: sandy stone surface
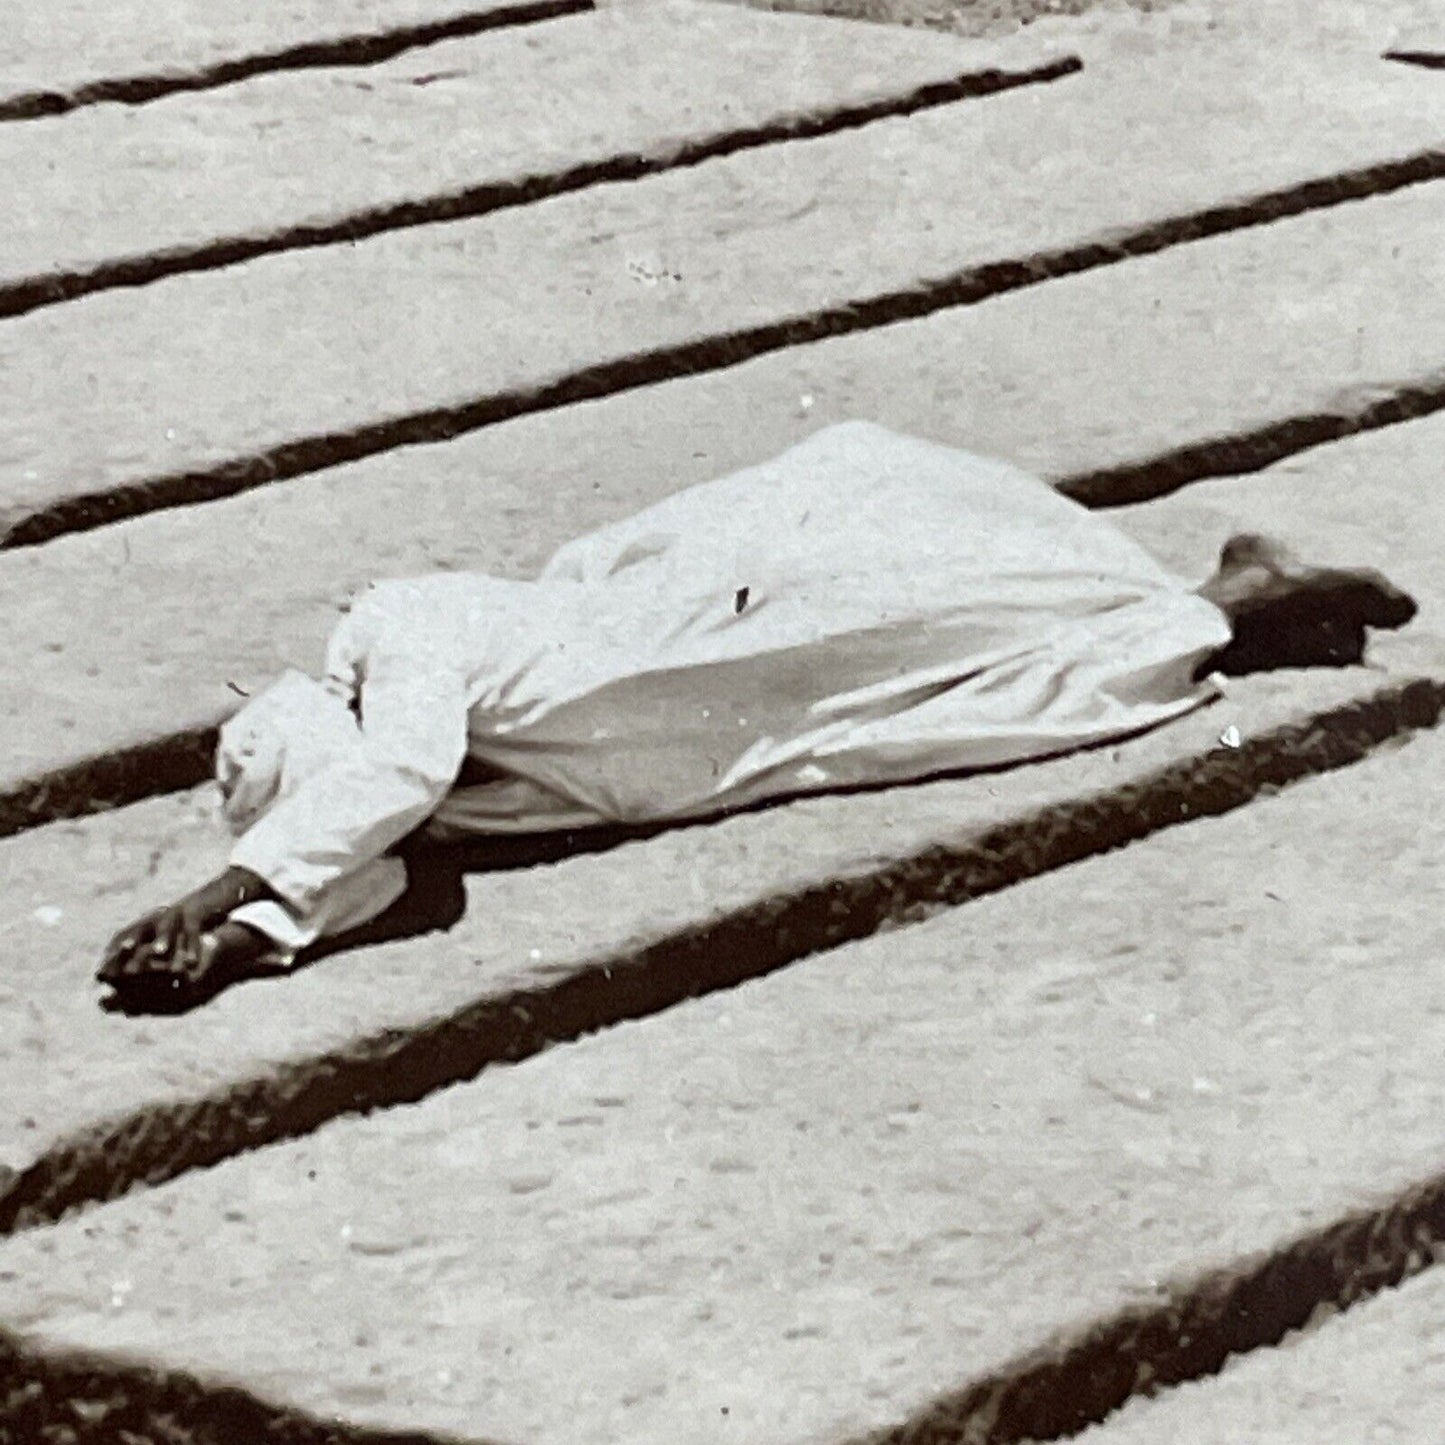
pixel 117 181
pixel 1375 1376
pixel 65 44
pixel 289 346
pixel 1343 24
pixel 806 1206
pixel 966 17
pixel 1102 368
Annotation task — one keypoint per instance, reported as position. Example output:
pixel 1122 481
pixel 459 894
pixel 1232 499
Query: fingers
pixel 124 950
pixel 118 950
pixel 203 959
pixel 185 955
pixel 167 931
pixel 132 936
pixel 163 942
pixel 137 962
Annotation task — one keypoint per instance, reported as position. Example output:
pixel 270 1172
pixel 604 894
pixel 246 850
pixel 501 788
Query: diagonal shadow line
pixel 89 1399
pixel 30 293
pixel 346 50
pixel 1428 59
pixel 703 355
pixel 1048 1394
pixel 404 1065
pixel 112 779
pixel 1060 1390
pixel 1365 409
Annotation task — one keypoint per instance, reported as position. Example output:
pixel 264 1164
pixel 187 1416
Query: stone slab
pixel 1375 1374
pixel 338 342
pixel 512 109
pixel 1199 342
pixel 810 1205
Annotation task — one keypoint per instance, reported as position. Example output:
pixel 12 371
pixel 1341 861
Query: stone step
pixel 298 361
pixel 125 1099
pixel 121 195
pixel 1376 1373
pixel 69 54
pixel 1064 1129
pixel 1201 343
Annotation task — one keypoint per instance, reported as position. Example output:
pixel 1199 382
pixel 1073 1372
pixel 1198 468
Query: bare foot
pixel 1256 572
pixel 1287 614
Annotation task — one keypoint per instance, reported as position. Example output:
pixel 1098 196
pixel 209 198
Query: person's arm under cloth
pixel 412 742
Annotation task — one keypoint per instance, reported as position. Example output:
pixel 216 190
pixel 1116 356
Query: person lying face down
pixel 866 608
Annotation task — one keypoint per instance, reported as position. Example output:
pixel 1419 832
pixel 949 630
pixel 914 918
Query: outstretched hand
pixel 170 941
pixel 164 940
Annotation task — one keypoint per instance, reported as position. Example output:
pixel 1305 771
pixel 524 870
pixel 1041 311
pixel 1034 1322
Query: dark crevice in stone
pixel 1058 1392
pixel 114 779
pixel 75 1399
pixel 1428 59
pixel 1366 409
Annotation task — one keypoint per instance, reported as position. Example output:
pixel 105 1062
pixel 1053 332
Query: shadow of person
pixel 434 902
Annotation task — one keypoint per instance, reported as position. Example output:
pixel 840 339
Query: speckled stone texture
pixel 1375 1376
pixel 979 1175
pixel 518 108
pixel 808 1206
pixel 313 351
pixel 1324 24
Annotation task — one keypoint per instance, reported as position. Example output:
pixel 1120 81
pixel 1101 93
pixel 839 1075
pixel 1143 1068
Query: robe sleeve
pixel 413 703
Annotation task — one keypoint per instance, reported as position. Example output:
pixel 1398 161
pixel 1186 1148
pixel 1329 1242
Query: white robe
pixel 865 608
